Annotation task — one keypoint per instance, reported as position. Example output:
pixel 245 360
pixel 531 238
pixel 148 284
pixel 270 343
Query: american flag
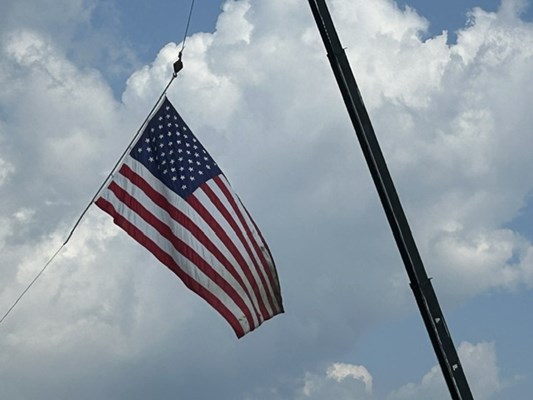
pixel 172 198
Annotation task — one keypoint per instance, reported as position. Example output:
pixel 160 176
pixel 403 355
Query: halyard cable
pixel 178 65
pixel 187 27
pixel 88 205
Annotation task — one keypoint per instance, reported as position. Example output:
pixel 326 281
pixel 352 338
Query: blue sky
pixel 453 116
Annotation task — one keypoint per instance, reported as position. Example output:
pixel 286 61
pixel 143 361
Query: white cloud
pixel 232 26
pixel 346 381
pixel 480 365
pixel 454 122
pixel 342 381
pixel 438 110
pixel 6 169
pixel 89 31
pixel 342 371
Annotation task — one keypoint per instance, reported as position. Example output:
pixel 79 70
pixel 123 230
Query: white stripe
pixel 203 225
pixel 269 268
pixel 182 233
pixel 258 294
pixel 261 267
pixel 184 264
pixel 206 202
pixel 250 258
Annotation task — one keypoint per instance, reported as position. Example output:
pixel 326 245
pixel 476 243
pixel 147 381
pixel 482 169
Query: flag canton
pixel 171 152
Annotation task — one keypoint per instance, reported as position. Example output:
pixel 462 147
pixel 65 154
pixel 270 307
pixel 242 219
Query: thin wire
pixel 84 212
pixel 91 202
pixel 31 283
pixel 187 27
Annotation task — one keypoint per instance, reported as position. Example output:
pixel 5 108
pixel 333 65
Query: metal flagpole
pixel 420 283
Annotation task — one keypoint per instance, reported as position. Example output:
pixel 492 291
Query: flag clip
pixel 178 65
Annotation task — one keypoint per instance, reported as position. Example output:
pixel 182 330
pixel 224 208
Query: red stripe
pixel 259 252
pixel 222 209
pixel 167 260
pixel 184 220
pixel 182 247
pixel 221 233
pixel 277 286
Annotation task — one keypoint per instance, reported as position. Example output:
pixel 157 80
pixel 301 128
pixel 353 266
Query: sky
pixel 447 87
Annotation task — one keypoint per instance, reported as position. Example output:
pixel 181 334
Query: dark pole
pixel 420 283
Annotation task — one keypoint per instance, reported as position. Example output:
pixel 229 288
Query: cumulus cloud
pixel 453 121
pixel 341 371
pixel 438 109
pixel 341 381
pixel 483 375
pixel 6 169
pixel 347 381
pixel 89 31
